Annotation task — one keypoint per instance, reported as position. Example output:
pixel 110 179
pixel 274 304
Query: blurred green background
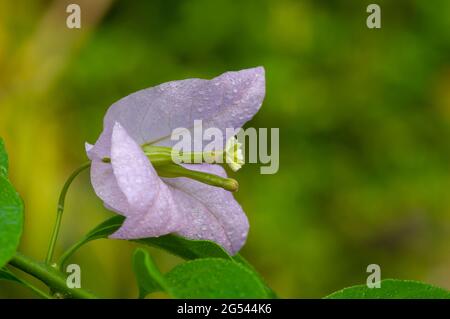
pixel 364 118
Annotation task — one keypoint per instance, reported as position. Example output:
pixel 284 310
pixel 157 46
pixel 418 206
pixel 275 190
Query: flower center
pixel 232 155
pixel 166 162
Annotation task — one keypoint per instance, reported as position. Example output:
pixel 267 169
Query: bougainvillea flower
pixel 154 206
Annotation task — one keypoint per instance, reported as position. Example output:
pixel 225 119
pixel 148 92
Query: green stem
pixel 162 155
pixel 36 290
pixel 105 228
pixel 48 275
pixel 157 158
pixel 60 210
pixel 69 252
pixel 11 276
pixel 174 170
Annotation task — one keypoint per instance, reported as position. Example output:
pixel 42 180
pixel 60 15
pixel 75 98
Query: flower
pixel 129 184
pixel 234 155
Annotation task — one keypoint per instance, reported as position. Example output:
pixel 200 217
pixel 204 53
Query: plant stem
pixel 48 275
pixel 12 277
pixel 60 210
pixel 174 170
pixel 109 226
pixel 36 290
pixel 69 252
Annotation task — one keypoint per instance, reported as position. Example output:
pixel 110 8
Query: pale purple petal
pixel 101 148
pixel 135 175
pixel 105 186
pixel 162 218
pixel 150 115
pixel 152 211
pixel 212 212
pixel 88 148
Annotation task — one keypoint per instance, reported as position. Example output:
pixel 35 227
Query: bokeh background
pixel 364 118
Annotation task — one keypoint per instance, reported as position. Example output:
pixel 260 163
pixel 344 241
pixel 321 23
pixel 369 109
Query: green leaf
pixel 214 278
pixel 102 230
pixel 186 248
pixel 11 220
pixel 11 212
pixel 199 278
pixel 148 276
pixel 3 159
pixel 105 228
pixel 241 260
pixel 182 247
pixel 6 274
pixel 392 289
